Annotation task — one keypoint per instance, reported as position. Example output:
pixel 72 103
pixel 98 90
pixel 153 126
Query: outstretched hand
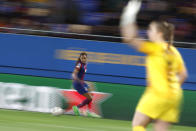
pixel 130 12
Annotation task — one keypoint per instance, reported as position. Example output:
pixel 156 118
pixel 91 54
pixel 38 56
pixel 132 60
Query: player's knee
pixel 161 126
pixel 90 99
pixel 134 123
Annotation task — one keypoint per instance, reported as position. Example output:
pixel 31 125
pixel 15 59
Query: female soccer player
pixel 165 71
pixel 78 82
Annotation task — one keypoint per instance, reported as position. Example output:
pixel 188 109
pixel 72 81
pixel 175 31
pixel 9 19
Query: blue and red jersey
pixel 81 86
pixel 82 68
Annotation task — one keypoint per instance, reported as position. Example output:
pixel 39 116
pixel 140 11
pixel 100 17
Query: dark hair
pixel 81 54
pixel 167 29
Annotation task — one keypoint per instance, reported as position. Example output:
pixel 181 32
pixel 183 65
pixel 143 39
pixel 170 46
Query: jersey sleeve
pixel 148 47
pixel 78 66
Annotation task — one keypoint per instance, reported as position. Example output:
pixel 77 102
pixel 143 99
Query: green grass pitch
pixel 12 120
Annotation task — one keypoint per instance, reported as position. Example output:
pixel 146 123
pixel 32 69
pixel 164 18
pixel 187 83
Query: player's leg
pixel 161 125
pixel 86 101
pixel 140 121
pixel 83 90
pixel 83 103
pixel 170 115
pixel 85 87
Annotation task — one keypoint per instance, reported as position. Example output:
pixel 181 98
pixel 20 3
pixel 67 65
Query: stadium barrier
pixel 55 57
pixel 30 98
pixel 111 101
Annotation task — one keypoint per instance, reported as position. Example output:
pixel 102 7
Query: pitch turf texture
pixel 12 120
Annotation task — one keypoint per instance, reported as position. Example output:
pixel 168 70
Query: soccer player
pixel 78 82
pixel 165 71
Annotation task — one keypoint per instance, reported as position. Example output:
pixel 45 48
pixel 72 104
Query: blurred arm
pixel 75 75
pixel 182 75
pixel 130 35
pixel 128 27
pixel 182 71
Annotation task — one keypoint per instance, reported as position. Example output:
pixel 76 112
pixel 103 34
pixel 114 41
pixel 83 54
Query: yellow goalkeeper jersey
pixel 162 65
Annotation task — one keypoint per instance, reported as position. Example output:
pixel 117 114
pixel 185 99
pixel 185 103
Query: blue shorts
pixel 81 88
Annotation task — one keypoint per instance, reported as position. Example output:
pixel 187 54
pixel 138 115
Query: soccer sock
pixel 85 102
pixel 139 128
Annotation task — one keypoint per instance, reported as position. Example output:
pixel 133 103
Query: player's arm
pixel 129 29
pixel 75 74
pixel 182 71
pixel 182 75
pixel 130 36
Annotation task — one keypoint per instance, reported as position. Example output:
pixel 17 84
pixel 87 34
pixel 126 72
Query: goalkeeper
pixel 165 67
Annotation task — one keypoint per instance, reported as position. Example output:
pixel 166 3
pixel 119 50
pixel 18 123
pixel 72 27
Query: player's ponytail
pixel 168 31
pixel 169 36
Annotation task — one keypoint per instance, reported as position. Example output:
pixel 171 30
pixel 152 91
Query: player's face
pixel 83 58
pixel 152 32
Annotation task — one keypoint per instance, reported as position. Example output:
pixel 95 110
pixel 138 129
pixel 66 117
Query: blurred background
pixel 95 17
pixel 35 72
